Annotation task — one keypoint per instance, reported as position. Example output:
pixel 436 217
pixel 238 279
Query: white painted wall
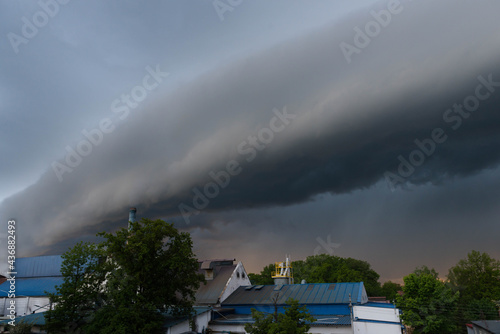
pixel 25 305
pixel 314 330
pixel 238 278
pixel 377 314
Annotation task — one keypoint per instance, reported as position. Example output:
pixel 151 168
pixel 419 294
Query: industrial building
pixel 34 277
pixel 339 308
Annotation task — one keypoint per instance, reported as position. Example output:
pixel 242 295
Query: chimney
pixel 131 216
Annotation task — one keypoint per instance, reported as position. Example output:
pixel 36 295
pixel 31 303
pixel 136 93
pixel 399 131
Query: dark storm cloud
pixel 350 124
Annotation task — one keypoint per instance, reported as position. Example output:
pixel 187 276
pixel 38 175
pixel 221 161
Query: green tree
pixel 426 270
pixel 477 277
pixel 84 270
pixel 428 305
pixel 265 276
pixel 390 290
pixel 141 274
pixel 324 268
pixel 295 320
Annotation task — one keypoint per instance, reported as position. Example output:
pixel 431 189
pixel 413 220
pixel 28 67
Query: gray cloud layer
pixel 352 122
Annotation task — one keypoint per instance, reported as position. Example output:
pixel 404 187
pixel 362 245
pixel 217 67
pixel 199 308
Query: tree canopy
pixel 428 305
pixel 477 277
pixel 128 282
pixel 265 276
pixel 324 268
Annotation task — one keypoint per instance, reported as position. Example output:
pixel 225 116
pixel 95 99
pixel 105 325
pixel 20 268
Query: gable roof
pixel 313 293
pixel 209 293
pixel 492 326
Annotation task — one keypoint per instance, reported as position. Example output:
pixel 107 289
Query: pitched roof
pixel 313 293
pixel 492 326
pixel 209 293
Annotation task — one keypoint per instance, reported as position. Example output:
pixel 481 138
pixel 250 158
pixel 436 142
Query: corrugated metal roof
pixel 39 266
pixel 35 319
pixel 32 287
pixel 313 293
pixel 209 293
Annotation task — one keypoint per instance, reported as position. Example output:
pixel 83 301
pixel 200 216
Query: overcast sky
pixel 367 130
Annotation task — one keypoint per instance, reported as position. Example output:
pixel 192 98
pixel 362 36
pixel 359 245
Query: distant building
pixel 35 275
pixel 339 308
pixel 222 278
pixel 484 327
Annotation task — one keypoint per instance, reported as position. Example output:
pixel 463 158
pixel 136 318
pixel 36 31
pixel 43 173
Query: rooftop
pixel 313 293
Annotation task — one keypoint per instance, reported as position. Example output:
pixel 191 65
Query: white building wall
pixel 238 278
pixel 25 305
pixel 240 329
pixel 376 314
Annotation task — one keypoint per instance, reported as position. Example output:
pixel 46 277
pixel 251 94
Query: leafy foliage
pixel 390 290
pixel 477 277
pixel 324 268
pixel 265 276
pixel 127 282
pixel 84 269
pixel 428 305
pixel 295 320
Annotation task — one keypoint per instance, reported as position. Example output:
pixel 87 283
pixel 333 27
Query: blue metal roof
pixel 32 287
pixel 307 294
pixel 39 266
pixel 34 319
